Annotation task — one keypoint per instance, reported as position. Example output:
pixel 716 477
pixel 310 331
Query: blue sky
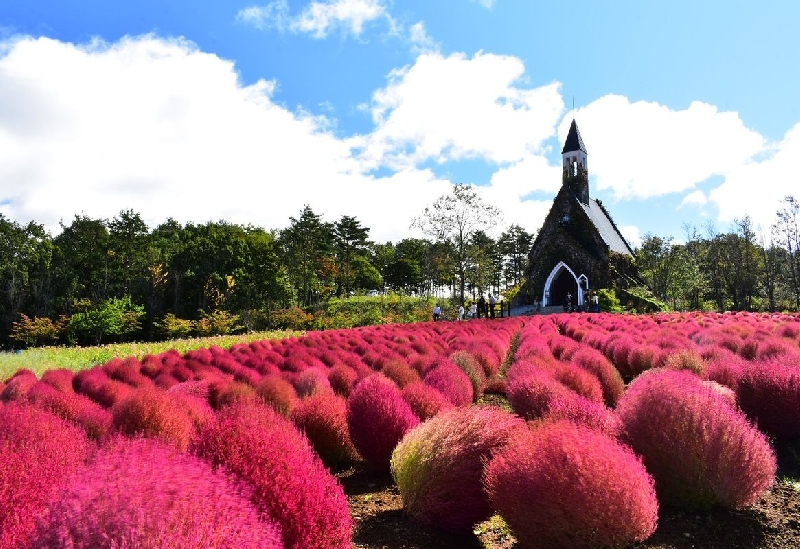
pixel 210 110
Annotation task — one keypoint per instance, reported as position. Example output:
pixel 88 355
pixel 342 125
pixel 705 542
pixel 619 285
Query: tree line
pixel 102 280
pixel 735 270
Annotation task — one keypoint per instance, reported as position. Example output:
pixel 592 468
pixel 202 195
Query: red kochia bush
pixel 594 362
pixel 377 418
pixel 275 391
pixel 289 481
pixel 425 401
pixel 323 419
pixel 94 419
pixel 311 381
pixel 142 493
pixel 439 464
pixel 451 381
pixel 154 413
pixel 342 377
pixel 38 452
pixel 18 386
pixel 530 394
pixel 700 449
pixel 769 392
pixel 561 485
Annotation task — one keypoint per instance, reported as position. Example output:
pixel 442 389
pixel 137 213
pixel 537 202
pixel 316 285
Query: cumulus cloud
pixel 644 149
pixel 695 198
pixel 167 130
pixel 421 42
pixel 318 18
pixel 456 107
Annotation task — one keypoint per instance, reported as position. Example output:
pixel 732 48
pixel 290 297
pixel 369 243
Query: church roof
pixel 574 141
pixel 608 231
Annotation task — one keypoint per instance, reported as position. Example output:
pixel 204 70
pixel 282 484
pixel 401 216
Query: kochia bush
pixel 769 392
pixel 378 418
pixel 451 381
pixel 152 412
pixel 142 493
pixel 439 464
pixel 425 401
pixel 38 452
pixel 275 391
pixel 289 481
pixel 700 450
pixel 323 419
pixel 561 485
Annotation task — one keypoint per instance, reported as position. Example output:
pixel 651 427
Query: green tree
pixel 115 318
pixel 515 245
pixel 453 219
pixel 351 240
pixel 307 251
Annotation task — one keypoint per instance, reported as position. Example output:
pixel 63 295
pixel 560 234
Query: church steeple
pixel 575 165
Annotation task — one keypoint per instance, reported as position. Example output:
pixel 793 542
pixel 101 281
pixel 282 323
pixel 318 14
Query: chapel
pixel 578 248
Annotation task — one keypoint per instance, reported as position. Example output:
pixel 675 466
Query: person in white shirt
pixel 437 312
pixel 473 310
pixel 461 312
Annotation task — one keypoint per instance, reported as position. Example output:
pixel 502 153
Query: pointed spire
pixel 574 141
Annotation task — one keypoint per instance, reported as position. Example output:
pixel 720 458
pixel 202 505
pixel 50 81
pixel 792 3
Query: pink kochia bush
pixel 425 401
pixel 289 481
pixel 378 418
pixel 560 485
pixel 152 412
pixel 769 392
pixel 439 464
pixel 700 449
pixel 323 419
pixel 143 493
pixel 38 452
pixel 451 381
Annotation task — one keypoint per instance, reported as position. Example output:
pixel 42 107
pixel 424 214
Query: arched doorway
pixel 562 281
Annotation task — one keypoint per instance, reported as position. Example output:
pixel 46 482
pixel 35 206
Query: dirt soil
pixel 772 523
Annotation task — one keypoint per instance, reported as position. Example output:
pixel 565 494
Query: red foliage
pixel 128 371
pixel 704 451
pixel 311 381
pixel 471 366
pixel 342 377
pixel 530 395
pixel 323 419
pixel 154 413
pixel 277 393
pixel 95 384
pixel 769 392
pixel 60 379
pixel 400 372
pixel 561 485
pixel 451 381
pixel 610 379
pixel 226 392
pixel 438 466
pixel 290 483
pixel 582 411
pixel 38 452
pixel 377 418
pixel 79 409
pixel 579 380
pixel 187 504
pixel 18 386
pixel 425 401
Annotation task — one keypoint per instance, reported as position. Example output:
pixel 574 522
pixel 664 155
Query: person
pixel 481 306
pixel 568 303
pixel 437 312
pixel 595 303
pixel 473 310
pixel 491 306
pixel 461 312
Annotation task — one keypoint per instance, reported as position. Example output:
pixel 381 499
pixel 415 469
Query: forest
pixel 105 280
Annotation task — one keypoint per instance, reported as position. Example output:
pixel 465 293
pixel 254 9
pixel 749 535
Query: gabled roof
pixel 607 229
pixel 574 141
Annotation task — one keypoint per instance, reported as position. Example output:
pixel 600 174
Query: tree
pixel 786 232
pixel 515 245
pixel 453 219
pixel 351 240
pixel 307 249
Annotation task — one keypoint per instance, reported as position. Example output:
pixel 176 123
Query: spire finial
pixel 573 106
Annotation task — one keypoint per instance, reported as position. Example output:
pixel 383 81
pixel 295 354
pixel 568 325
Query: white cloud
pixel 645 150
pixel 169 131
pixel 632 235
pixel 455 107
pixel 318 18
pixel 421 42
pixel 695 198
pixel 486 3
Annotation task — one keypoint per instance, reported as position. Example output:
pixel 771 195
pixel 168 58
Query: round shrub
pixel 378 418
pixel 562 485
pixel 342 378
pixel 400 372
pixel 579 380
pixel 686 359
pixel 38 453
pixel 142 493
pixel 311 381
pixel 18 386
pixel 60 379
pixel 594 362
pixel 451 381
pixel 582 411
pixel 703 451
pixel 425 401
pixel 275 391
pixel 226 392
pixel 79 409
pixel 769 392
pixel 530 395
pixel 323 419
pixel 438 465
pixel 289 481
pixel 152 412
pixel 474 370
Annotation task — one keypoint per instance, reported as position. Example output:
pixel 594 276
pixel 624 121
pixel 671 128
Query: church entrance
pixel 561 282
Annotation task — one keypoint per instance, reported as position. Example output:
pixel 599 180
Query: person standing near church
pixel 461 312
pixel 491 306
pixel 437 312
pixel 473 310
pixel 481 306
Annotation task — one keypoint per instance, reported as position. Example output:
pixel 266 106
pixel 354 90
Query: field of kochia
pixel 608 418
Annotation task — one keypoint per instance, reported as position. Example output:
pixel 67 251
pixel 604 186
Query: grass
pixel 41 359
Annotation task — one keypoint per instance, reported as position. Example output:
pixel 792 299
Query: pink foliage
pixel 95 384
pixel 18 386
pixel 582 411
pixel 323 419
pixel 152 412
pixel 79 409
pixel 226 392
pixel 38 452
pixel 451 381
pixel 187 504
pixel 471 366
pixel 530 395
pixel 579 380
pixel 596 363
pixel 438 466
pixel 277 393
pixel 769 392
pixel 342 377
pixel 290 483
pixel 561 485
pixel 377 418
pixel 703 451
pixel 400 372
pixel 425 401
pixel 128 371
pixel 311 381
pixel 60 379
